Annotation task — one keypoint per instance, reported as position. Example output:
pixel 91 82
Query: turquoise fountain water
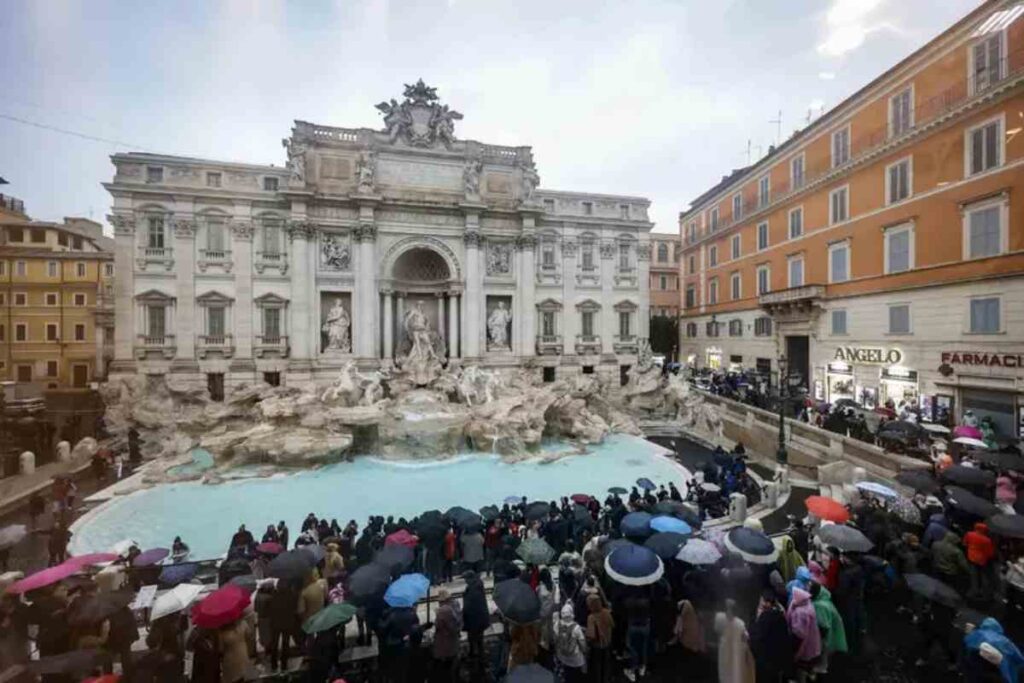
pixel 206 516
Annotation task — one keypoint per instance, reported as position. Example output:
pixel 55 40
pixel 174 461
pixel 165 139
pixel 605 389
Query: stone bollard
pixel 782 477
pixel 63 451
pixel 738 507
pixel 859 475
pixel 771 494
pixel 27 462
pixel 85 449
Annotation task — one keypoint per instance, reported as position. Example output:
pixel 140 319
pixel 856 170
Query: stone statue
pixel 335 253
pixel 336 325
pixel 499 258
pixel 497 327
pixel 417 329
pixel 396 118
pixel 471 177
pixel 444 124
pixel 530 181
pixel 419 119
pixel 366 171
pixel 296 160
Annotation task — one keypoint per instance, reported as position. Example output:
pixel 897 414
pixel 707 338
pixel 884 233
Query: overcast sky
pixel 645 98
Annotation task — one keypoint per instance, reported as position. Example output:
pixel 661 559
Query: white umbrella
pixel 934 428
pixel 176 599
pixel 12 535
pixel 969 441
pixel 699 551
pixel 122 547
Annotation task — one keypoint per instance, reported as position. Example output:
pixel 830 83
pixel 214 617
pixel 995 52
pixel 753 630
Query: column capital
pixel 387 291
pixel 124 224
pixel 364 232
pixel 303 230
pixel 472 238
pixel 526 242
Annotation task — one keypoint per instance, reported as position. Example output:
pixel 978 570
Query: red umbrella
pixel 270 548
pixel 580 498
pixel 92 559
pixel 402 537
pixel 221 607
pixel 827 509
pixel 46 577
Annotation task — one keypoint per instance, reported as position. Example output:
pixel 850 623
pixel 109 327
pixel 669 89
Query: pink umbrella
pixel 151 556
pixel 968 431
pixel 92 559
pixel 270 548
pixel 46 577
pixel 402 537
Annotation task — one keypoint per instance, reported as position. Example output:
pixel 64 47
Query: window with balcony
pixel 662 253
pixel 737 207
pixel 795 267
pixel 735 287
pixel 898 181
pixel 271 335
pixel 796 172
pixel 764 278
pixel 762 236
pixel 901 112
pixel 985 315
pixel 734 246
pixel 839 205
pixel 840 146
pixel 624 259
pixel 691 296
pixel 899 249
pixel 984 147
pixel 763 191
pixel 271 244
pixel 217 247
pixel 587 254
pixel 986 63
pixel 155 232
pixel 839 262
pixel 796 222
pixel 985 229
pixel 587 323
pixel 272 323
pixel 838 322
pixel 762 326
pixel 899 319
pixel 213 179
pixel 270 184
pixel 156 318
pixel 625 328
pixel 713 291
pixel 547 323
pixel 712 256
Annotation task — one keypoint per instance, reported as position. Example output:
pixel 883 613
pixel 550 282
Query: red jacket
pixel 980 548
pixel 449 546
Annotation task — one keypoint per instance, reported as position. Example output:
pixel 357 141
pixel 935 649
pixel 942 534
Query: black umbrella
pixel 932 589
pixel 517 602
pixel 74 662
pixel 537 510
pixel 582 518
pixel 229 569
pixel 678 510
pixel 431 528
pixel 965 501
pixel 368 583
pixel 919 480
pixel 666 544
pixel 968 476
pixel 999 460
pixel 292 565
pixel 92 609
pixel 1008 526
pixel 618 490
pixel 903 428
pixel 457 513
pixel 397 558
pixel 845 538
pixel 471 524
pixel 490 512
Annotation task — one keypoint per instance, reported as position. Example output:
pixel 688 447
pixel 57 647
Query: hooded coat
pixel 475 616
pixel 770 640
pixel 830 622
pixel 802 581
pixel 789 559
pixel 980 548
pixel 936 529
pixel 570 641
pixel 947 558
pixel 735 661
pixel 991 631
pixel 688 630
pixel 803 624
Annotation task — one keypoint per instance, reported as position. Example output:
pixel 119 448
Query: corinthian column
pixel 304 312
pixel 186 326
pixel 366 289
pixel 389 327
pixel 453 325
pixel 472 326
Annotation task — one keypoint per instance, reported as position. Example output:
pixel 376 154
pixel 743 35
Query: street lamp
pixel 780 454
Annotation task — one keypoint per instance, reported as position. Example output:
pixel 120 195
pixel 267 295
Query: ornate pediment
pixel 213 298
pixel 153 296
pixel 420 119
pixel 270 299
pixel 549 305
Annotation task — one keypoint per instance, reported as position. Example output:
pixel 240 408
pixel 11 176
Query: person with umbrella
pixel 284 622
pixel 848 597
pixel 401 634
pixel 312 598
pixel 475 615
pixel 770 640
pixel 471 546
pixel 830 624
pixel 949 562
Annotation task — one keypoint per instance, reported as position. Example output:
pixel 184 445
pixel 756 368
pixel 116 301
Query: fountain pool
pixel 205 516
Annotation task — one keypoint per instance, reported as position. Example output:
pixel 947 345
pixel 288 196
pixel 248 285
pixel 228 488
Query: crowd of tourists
pixel 591 588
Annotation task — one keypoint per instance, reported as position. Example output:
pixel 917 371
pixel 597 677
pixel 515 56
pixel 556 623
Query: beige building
pixel 664 277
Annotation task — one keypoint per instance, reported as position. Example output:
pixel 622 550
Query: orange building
pixel 880 250
pixel 664 275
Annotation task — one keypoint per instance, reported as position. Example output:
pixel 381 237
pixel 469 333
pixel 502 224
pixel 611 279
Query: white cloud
pixel 847 24
pixel 827 75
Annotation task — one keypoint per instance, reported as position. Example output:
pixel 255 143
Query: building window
pixel 624 263
pixel 215 238
pixel 587 254
pixel 901 112
pixel 80 299
pixel 76 243
pixel 15 235
pixel 762 236
pixel 155 232
pixel 624 325
pixel 215 319
pixel 213 179
pixel 735 286
pixel 20 332
pixel 691 296
pixel 3 333
pixel 587 323
pixel 20 299
pixel 713 291
pixel 796 222
pixel 51 299
pixel 215 386
pixel 588 208
pixel 624 211
pixel 691 232
pixel 899 319
pixel 839 322
pixel 24 373
pixel 271 325
pixel 984 146
pixel 52 332
pixel 796 172
pixel 547 323
pixel 899 249
pixel 898 184
pixel 108 270
pixel 62 239
pixel 763 191
pixel 737 207
pixel 985 230
pixel 691 330
pixel 38 235
pixel 763 279
pixel 711 329
pixel 154 174
pixel 840 146
pixel 713 220
pixel 20 268
pixel 986 61
pixel 663 283
pixel 762 326
pixel 985 317
pixel 51 269
pixel 3 268
pixel 735 246
pixel 156 321
pixel 692 264
pixel 547 259
pixel 79 332
pixel 272 378
pixel 796 271
pixel 839 262
pixel 839 205
pixel 736 328
pixel 548 373
pixel 79 270
pixel 270 185
pixel 712 256
pixel 662 253
pixel 549 205
pixel 677 250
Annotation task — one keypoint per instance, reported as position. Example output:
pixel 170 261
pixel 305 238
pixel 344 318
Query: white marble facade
pixel 239 270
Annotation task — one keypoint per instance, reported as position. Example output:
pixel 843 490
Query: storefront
pixel 869 376
pixel 839 382
pixel 989 384
pixel 899 386
pixel 713 357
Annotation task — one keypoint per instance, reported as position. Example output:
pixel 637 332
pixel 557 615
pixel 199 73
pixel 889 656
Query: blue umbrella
pixel 636 524
pixel 173 574
pixel 634 565
pixel 665 523
pixel 878 489
pixel 407 590
pixel 646 484
pixel 666 544
pixel 752 545
pixel 513 500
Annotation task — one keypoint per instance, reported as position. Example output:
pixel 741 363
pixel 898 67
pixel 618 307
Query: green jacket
pixel 830 623
pixel 948 558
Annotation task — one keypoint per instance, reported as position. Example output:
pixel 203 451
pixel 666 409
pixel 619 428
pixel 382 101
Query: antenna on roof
pixel 748 152
pixel 778 127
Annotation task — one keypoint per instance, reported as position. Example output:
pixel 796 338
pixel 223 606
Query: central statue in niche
pixel 426 348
